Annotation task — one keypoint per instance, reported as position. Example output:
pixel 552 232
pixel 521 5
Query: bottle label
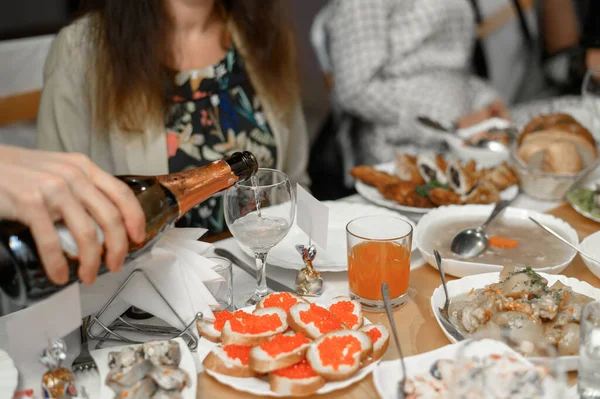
pixel 68 243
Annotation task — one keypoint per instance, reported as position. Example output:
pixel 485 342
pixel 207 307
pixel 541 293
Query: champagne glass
pixel 259 213
pixel 590 91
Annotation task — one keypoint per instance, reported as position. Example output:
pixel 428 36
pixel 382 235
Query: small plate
pixel 335 258
pixel 578 209
pixel 260 387
pixel 387 374
pixel 187 364
pixel 372 194
pixel 9 376
pixel 460 268
pixel 466 284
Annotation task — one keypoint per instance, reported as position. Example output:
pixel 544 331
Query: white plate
pixel 460 268
pixel 260 387
pixel 335 258
pixel 387 374
pixel 187 364
pixel 591 246
pixel 9 376
pixel 372 194
pixel 466 284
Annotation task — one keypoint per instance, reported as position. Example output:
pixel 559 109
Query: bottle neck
pixel 191 187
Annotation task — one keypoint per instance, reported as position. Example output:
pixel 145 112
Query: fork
pixel 84 361
pixel 445 318
pixel 385 293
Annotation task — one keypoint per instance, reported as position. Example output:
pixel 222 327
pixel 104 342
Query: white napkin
pixel 177 267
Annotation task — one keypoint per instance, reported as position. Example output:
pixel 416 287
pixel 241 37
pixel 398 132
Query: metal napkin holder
pixel 114 331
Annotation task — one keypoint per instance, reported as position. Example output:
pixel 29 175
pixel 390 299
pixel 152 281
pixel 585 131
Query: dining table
pixel 417 327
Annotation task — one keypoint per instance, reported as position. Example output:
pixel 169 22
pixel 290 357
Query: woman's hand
pixel 496 109
pixel 38 188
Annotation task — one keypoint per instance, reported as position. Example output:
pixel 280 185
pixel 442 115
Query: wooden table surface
pixel 417 328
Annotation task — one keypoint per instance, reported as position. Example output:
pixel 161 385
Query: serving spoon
pixel 471 242
pixel 445 317
pixel 484 144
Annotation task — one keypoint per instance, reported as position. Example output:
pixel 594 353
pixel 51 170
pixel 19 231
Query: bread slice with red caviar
pixel 232 360
pixel 210 328
pixel 299 379
pixel 254 328
pixel 279 351
pixel 338 354
pixel 380 337
pixel 313 320
pixel 281 300
pixel 348 311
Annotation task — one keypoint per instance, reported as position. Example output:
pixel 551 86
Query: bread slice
pixel 338 354
pixel 297 380
pixel 210 328
pixel 255 328
pixel 281 300
pixel 313 320
pixel 347 311
pixel 232 360
pixel 380 338
pixel 280 351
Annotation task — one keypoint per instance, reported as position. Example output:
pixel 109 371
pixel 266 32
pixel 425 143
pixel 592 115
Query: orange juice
pixel 372 263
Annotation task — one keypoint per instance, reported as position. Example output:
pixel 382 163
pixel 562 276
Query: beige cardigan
pixel 67 106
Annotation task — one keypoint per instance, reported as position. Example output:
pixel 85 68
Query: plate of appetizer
pixel 157 369
pixel 432 375
pixel 514 240
pixel 335 257
pixel 586 201
pixel 286 346
pixel 540 305
pixel 420 184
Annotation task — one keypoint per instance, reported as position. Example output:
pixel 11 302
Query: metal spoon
pixel 385 293
pixel 452 330
pixel 471 242
pixel 485 144
pixel 555 234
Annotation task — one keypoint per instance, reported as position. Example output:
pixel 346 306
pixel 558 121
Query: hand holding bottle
pixel 38 188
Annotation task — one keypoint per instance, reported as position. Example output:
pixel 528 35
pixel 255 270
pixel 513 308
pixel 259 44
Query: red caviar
pixel 221 318
pixel 281 300
pixel 283 343
pixel 374 334
pixel 343 311
pixel 338 351
pixel 324 320
pixel 238 352
pixel 254 324
pixel 298 370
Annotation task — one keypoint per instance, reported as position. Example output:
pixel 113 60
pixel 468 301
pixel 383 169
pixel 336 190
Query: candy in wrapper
pixel 308 281
pixel 58 382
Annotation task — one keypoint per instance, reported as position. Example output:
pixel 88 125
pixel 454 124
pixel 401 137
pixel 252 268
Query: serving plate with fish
pixel 514 240
pixel 159 369
pixel 537 305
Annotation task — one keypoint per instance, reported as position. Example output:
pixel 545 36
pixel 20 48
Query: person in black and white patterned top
pixel 395 59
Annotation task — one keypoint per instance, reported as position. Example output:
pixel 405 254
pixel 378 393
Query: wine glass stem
pixel 261 276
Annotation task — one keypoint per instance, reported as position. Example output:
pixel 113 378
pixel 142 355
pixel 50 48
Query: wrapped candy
pixel 58 382
pixel 308 281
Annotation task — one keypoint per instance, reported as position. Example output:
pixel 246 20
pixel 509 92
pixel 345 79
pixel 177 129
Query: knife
pixel 271 284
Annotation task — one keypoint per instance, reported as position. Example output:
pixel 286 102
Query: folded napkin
pixel 179 270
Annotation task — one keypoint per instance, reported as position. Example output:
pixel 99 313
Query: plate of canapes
pixel 418 184
pixel 286 346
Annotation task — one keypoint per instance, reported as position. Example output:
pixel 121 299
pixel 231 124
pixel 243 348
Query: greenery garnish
pixel 425 189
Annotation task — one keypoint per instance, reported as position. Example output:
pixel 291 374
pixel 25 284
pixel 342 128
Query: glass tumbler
pixel 378 251
pixel 222 290
pixel 589 352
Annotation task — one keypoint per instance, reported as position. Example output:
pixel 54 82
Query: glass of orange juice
pixel 378 251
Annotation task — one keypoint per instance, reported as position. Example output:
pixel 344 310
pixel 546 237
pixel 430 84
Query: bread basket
pixel 543 185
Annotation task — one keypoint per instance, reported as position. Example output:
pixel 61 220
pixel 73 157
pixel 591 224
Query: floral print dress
pixel 215 111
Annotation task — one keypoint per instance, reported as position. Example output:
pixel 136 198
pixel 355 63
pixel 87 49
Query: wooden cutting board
pixel 417 328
